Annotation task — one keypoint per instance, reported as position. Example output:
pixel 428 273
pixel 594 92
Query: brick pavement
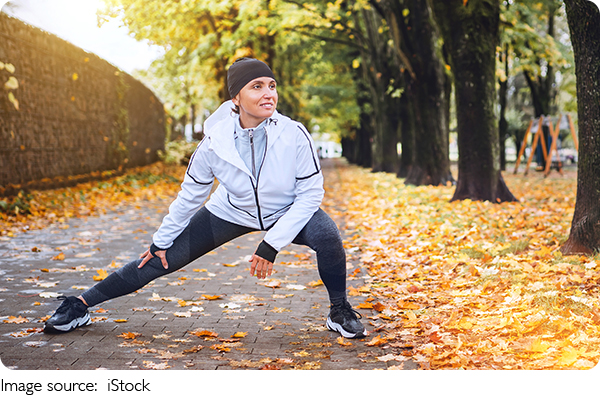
pixel 283 318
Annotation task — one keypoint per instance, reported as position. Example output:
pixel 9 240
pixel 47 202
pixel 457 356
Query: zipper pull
pixel 251 135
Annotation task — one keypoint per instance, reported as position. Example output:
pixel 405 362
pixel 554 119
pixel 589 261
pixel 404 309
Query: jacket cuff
pixel 266 251
pixel 154 249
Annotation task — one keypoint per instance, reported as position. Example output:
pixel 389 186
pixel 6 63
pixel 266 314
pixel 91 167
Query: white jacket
pixel 287 192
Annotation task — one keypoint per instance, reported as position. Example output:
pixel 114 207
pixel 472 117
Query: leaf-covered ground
pixel 468 284
pixel 451 285
pixel 40 208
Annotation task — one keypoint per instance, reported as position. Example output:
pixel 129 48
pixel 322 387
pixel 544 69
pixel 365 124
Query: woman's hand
pixel 162 254
pixel 262 267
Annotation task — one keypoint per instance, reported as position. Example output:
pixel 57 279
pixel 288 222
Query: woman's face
pixel 257 101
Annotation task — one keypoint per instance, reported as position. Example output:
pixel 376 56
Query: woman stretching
pixel 269 180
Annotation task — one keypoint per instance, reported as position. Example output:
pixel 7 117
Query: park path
pixel 209 315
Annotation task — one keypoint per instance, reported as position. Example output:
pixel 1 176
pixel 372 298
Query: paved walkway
pixel 209 315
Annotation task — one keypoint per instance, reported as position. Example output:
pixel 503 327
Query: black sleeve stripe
pixel 190 164
pixel 309 176
pixel 306 134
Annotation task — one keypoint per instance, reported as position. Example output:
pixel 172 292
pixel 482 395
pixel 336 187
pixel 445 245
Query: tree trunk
pixel 432 162
pixel 407 136
pixel 583 17
pixel 377 71
pixel 471 35
pixel 503 124
pixel 416 39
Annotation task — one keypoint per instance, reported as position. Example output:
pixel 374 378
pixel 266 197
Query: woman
pixel 269 179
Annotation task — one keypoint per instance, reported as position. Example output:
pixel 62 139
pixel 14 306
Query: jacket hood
pixel 219 128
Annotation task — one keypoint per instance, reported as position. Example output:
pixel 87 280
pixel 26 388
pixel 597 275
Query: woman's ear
pixel 236 100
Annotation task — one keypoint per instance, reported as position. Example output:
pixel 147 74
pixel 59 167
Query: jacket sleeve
pixel 309 194
pixel 195 189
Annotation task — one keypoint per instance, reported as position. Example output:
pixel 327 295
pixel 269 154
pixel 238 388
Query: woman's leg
pixel 322 235
pixel 204 233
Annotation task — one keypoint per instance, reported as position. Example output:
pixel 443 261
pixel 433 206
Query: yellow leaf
pixel 569 356
pixel 377 341
pixel 234 264
pixel 538 346
pixel 239 334
pixel 120 320
pixel 365 306
pixel 211 297
pixel 353 292
pixel 343 342
pixel 129 335
pixel 220 347
pixel 10 68
pixel 203 333
pixel 75 76
pixel 16 320
pixel 59 256
pixel 102 274
pixel 407 305
pixel 13 100
pixel 280 310
pixel 11 84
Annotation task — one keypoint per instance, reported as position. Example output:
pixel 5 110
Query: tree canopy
pixel 361 71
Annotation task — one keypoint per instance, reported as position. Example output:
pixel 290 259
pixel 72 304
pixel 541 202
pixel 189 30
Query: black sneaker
pixel 71 314
pixel 343 319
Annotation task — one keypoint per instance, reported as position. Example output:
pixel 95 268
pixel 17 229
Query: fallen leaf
pixel 343 342
pixel 280 310
pixel 295 287
pixel 153 365
pixel 102 274
pixel 273 284
pixel 186 314
pixel 129 335
pixel 194 349
pixel 220 347
pixel 203 333
pixel 211 297
pixel 377 341
pixel 16 320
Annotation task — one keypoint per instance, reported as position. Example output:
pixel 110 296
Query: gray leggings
pixel 206 232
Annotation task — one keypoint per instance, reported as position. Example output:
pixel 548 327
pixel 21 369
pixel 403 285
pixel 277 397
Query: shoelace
pixel 66 303
pixel 348 311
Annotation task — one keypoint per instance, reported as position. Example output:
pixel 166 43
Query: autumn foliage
pixel 470 284
pixel 449 285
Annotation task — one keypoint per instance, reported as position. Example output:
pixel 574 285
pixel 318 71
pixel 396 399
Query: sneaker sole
pixel 74 324
pixel 335 327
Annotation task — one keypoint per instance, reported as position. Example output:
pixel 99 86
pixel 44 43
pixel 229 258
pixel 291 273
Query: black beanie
pixel 243 70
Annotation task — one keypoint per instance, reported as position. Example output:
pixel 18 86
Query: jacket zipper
pixel 251 134
pixel 255 188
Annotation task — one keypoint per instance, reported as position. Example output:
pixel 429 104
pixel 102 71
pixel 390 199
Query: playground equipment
pixel 539 137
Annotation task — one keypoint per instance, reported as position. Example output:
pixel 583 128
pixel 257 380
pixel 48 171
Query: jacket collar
pixel 219 128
